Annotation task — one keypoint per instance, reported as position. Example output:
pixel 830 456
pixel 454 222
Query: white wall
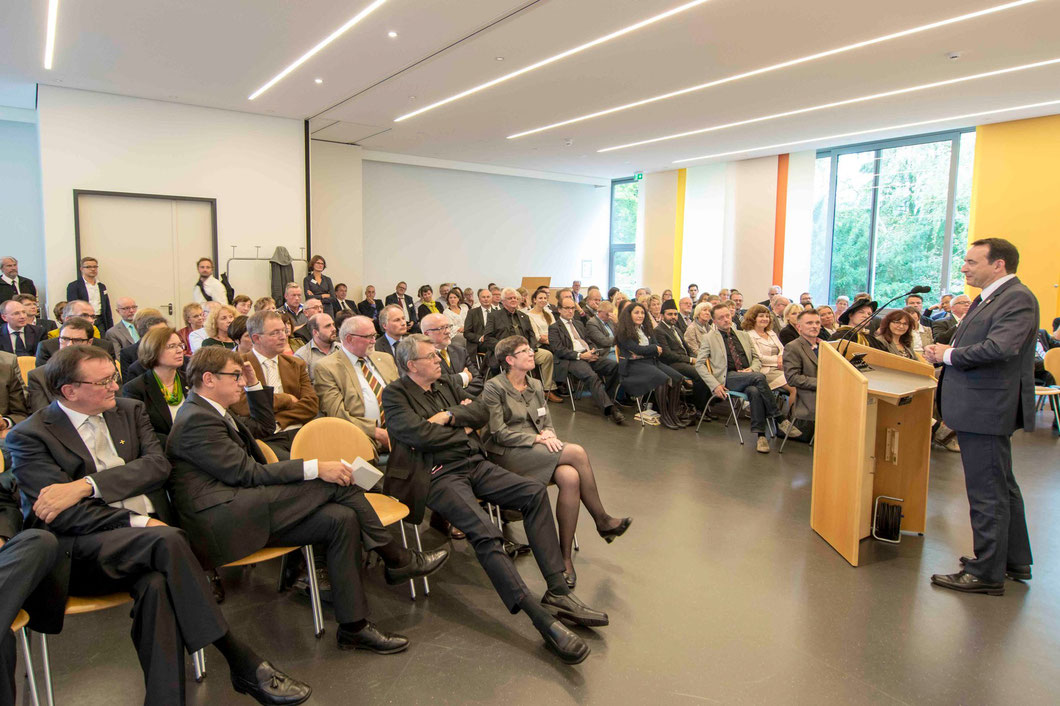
pixel 253 165
pixel 798 222
pixel 337 232
pixel 701 257
pixel 750 209
pixel 20 199
pixel 425 225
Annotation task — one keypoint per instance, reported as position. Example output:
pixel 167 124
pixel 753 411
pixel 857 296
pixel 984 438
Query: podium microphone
pixel 919 289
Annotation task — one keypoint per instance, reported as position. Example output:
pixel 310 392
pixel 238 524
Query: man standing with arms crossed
pixel 987 393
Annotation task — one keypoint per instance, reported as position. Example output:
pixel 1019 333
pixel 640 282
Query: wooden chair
pixel 76 605
pixel 1052 363
pixel 25 364
pixel 1053 395
pixel 332 439
pixel 266 450
pixel 19 627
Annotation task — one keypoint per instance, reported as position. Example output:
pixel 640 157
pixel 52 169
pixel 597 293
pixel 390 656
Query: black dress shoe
pixel 372 639
pixel 514 549
pixel 616 532
pixel 570 608
pixel 571 577
pixel 216 586
pixel 616 416
pixel 562 640
pixel 268 685
pixel 323 584
pixel 421 564
pixel 965 582
pixel 1013 572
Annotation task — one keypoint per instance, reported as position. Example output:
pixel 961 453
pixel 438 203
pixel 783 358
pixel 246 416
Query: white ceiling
pixel 217 53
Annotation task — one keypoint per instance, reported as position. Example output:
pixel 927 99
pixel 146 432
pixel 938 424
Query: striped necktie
pixel 377 387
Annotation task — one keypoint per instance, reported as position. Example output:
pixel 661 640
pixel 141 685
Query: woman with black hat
pixel 856 314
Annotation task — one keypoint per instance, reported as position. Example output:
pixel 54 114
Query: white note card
pixel 364 474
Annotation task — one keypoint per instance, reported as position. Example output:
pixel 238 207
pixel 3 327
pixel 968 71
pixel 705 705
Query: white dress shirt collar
pixel 76 418
pixel 989 290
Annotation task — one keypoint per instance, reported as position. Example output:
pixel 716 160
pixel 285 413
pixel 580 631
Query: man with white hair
pixel 11 283
pixel 509 320
pixel 123 333
pixel 394 324
pixel 777 306
pixel 311 308
pixel 437 328
pixel 774 291
pixel 842 303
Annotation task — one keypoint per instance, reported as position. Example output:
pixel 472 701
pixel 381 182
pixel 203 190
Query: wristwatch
pixel 450 420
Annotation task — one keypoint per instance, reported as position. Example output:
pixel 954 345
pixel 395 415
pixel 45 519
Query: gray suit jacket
pixel 599 334
pixel 12 398
pixel 712 362
pixel 989 387
pixel 800 370
pixel 119 335
pixel 37 393
pixel 514 422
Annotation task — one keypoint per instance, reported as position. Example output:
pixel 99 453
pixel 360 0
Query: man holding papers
pixel 232 503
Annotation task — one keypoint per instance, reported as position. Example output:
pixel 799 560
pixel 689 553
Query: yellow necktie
pixel 445 357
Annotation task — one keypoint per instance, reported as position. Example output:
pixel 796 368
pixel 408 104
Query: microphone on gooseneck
pixel 919 289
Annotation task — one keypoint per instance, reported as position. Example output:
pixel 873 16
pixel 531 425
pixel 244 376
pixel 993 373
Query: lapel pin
pixel 121 441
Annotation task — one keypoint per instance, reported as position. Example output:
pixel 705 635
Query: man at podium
pixel 987 393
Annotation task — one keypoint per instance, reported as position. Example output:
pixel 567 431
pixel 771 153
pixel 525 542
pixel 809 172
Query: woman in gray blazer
pixel 521 439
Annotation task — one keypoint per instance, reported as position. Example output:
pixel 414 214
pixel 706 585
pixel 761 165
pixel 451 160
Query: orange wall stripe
pixel 781 219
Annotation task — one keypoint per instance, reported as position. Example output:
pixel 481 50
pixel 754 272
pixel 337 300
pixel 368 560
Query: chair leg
pixel 23 636
pixel 701 416
pixel 735 419
pixel 640 410
pixel 405 543
pixel 198 660
pixel 283 572
pixel 570 390
pixel 784 441
pixel 576 547
pixel 49 695
pixel 419 548
pixel 314 591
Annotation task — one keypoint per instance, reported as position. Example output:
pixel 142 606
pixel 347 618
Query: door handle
pixel 168 308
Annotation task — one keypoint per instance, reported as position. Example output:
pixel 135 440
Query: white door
pixel 146 247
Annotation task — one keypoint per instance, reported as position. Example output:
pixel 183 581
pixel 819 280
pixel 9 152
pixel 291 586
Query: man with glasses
pixel 311 308
pixel 437 461
pixel 350 383
pixel 73 310
pixel 404 302
pixel 75 332
pixel 233 503
pixel 509 320
pixel 370 307
pixel 33 313
pixel 91 470
pixel 124 333
pixel 573 354
pixel 88 288
pixel 454 359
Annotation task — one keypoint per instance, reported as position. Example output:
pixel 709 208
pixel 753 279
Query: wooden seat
pixel 266 450
pixel 21 620
pixel 388 509
pixel 76 605
pixel 266 554
pixel 25 364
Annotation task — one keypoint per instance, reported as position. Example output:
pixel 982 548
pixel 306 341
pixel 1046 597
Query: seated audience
pixel 404 303
pixel 371 307
pixel 540 315
pixel 455 312
pixel 438 462
pixel 828 323
pixel 685 308
pixel 350 383
pixel 292 304
pixel 196 337
pixel 163 387
pixel 16 335
pixel 232 503
pixel 676 355
pixel 302 333
pixel 728 361
pixel 33 313
pixel 238 331
pixel 806 301
pixel 12 399
pixel 341 303
pixel 57 310
pixel 91 471
pixel 145 320
pixel 723 294
pixel 318 285
pixel 322 341
pixel 944 326
pixel 264 304
pixel 937 311
pixel 639 369
pixel 921 332
pixel 800 367
pixel 842 303
pixel 427 303
pixel 654 305
pixel 208 288
pixel 896 333
pixel 243 304
pixel 774 291
pixel 600 329
pixel 194 318
pixel 469 297
pixel 701 322
pixel 788 332
pixel 124 332
pixel 590 304
pixel 759 327
pixel 572 354
pixel 855 315
pixel 667 295
pixel 292 343
pixel 1042 376
pixel 916 303
pixel 737 298
pixel 217 327
pixel 509 321
pixel 454 359
pixel 475 324
pixel 76 331
pixel 395 325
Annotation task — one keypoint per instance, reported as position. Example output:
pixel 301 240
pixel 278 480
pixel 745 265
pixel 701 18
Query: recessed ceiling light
pixel 776 67
pixel 326 41
pixel 841 135
pixel 562 55
pixel 392 34
pixel 499 58
pixel 318 80
pixel 412 98
pixel 836 104
pixel 49 42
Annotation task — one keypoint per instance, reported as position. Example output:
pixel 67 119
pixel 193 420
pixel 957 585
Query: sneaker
pixel 762 446
pixel 792 431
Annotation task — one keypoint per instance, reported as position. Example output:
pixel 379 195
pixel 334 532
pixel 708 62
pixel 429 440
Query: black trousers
pixel 173 607
pixel 24 560
pixel 999 525
pixel 600 376
pixel 454 495
pixel 759 395
pixel 700 392
pixel 340 518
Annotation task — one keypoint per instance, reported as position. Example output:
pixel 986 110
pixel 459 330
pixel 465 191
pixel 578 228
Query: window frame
pixel 612 247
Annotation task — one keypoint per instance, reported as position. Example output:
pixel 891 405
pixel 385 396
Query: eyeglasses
pixel 128 308
pixel 522 350
pixel 435 330
pixel 235 376
pixel 277 332
pixel 174 346
pixel 432 354
pixel 113 379
pixel 72 341
pixel 365 336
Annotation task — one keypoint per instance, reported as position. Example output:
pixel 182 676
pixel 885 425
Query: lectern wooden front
pixel 872 437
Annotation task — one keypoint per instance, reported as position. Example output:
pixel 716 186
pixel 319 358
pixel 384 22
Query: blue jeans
pixel 759 395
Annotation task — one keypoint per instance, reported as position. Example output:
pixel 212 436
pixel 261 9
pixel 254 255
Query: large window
pixel 891 215
pixel 625 198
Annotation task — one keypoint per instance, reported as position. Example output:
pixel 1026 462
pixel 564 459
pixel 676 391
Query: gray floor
pixel 719 593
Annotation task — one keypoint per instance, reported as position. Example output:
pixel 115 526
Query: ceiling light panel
pixel 49 33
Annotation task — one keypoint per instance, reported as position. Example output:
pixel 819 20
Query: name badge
pixel 542 411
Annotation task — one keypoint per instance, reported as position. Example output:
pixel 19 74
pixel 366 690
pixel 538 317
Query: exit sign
pixel 638 176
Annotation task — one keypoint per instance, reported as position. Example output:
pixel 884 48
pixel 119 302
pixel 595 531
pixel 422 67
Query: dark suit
pixel 345 305
pixel 474 328
pixel 49 347
pixel 444 468
pixel 601 375
pixel 127 357
pixel 601 335
pixel 233 503
pixel 943 328
pixel 676 354
pixel 99 552
pixel 382 344
pixel 25 286
pixel 410 310
pixel 370 309
pixel 988 393
pixel 458 360
pixel 800 370
pixel 78 290
pixel 31 336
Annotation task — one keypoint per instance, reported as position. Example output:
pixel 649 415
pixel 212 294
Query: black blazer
pixel 10 512
pixel 314 290
pixel 392 298
pixel 46 449
pixel 422 310
pixel 942 330
pixel 474 326
pixel 414 440
pixel 77 290
pixel 458 357
pixel 369 308
pixel 31 335
pixel 126 357
pixel 25 285
pixel 382 344
pixel 673 345
pixel 144 388
pixel 218 480
pixel 789 333
pixel 629 346
pixel 46 325
pixel 50 346
pixel 501 324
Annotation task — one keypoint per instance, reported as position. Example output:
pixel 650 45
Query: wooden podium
pixel 872 437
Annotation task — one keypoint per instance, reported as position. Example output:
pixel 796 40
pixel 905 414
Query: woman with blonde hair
pixel 700 327
pixel 654 307
pixel 789 333
pixel 217 327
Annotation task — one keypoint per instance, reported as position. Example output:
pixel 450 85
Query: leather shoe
pixel 514 549
pixel 616 416
pixel 562 640
pixel 421 564
pixel 570 608
pixel 216 586
pixel 269 685
pixel 372 639
pixel 553 397
pixel 571 577
pixel 966 583
pixel 1013 572
pixel 616 532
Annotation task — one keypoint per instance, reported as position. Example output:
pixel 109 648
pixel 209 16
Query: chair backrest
pixel 331 439
pixel 25 364
pixel 270 455
pixel 1052 363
